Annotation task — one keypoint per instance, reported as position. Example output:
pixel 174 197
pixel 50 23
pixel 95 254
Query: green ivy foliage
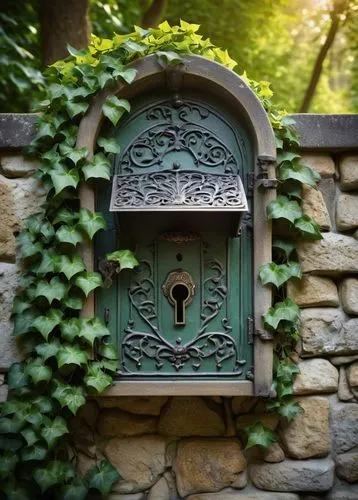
pixel 68 357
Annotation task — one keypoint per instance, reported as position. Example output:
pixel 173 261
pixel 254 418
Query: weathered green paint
pixel 214 260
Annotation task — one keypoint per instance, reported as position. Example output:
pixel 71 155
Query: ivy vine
pixel 52 383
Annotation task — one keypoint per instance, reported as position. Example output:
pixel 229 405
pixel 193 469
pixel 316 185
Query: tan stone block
pixel 14 165
pixel 204 465
pixel 315 206
pixel 160 491
pixel 332 255
pixel 313 291
pixel 308 436
pixel 3 393
pixel 316 375
pixel 140 460
pixel 242 404
pixel 352 375
pixel 9 281
pixel 347 466
pixel 322 163
pixel 349 295
pixel 191 416
pixel 344 393
pixel 8 223
pixel 347 212
pixel 348 167
pixel 115 422
pixel 274 454
pixel 249 494
pixel 142 405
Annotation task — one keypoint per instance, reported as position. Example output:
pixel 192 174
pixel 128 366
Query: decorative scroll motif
pixel 178 237
pixel 183 130
pixel 177 190
pixel 219 345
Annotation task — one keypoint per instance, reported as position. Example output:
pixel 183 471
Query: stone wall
pixel 168 448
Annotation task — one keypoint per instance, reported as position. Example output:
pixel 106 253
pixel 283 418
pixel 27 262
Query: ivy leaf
pixel 125 258
pixel 43 403
pixel 69 234
pixel 10 425
pixel 70 329
pixel 308 227
pixel 92 329
pixel 114 108
pixel 287 156
pixel 110 365
pixel 53 290
pixel 23 322
pixel 283 208
pixel 55 472
pixel 69 396
pixel 87 282
pixel 16 377
pixel 108 351
pixel 66 216
pixel 10 443
pixel 34 452
pixel 290 410
pixel 300 173
pixel 62 178
pixel 70 266
pixel 71 355
pixel 128 75
pixel 8 463
pixel 52 430
pixel 286 370
pixel 49 262
pixel 169 57
pixel 282 311
pixel 38 371
pixel 97 379
pixel 27 245
pixel 278 274
pixel 260 435
pixel 109 145
pixel 283 389
pixel 75 108
pixel 286 246
pixel 74 491
pixel 34 417
pixel 73 303
pixel 73 154
pixel 20 305
pixel 90 222
pixel 48 349
pixel 99 168
pixel 102 477
pixel 45 324
pixel 292 189
pixel 30 436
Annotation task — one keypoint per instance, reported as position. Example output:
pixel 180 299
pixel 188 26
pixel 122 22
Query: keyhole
pixel 180 294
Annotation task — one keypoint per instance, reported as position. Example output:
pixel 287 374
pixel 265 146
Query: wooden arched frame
pixel 201 73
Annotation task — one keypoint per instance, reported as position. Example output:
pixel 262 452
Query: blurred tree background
pixel 307 49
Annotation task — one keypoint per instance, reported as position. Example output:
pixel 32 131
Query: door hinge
pixel 260 181
pixel 253 332
pixel 106 314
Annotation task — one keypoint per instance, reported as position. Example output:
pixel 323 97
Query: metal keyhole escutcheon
pixel 179 288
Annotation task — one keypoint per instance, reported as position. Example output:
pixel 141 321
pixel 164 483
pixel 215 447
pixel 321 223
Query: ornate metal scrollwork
pixel 177 189
pixel 152 345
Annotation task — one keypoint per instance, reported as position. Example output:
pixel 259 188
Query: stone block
pixel 324 331
pixel 343 360
pixel 242 404
pixel 274 454
pixel 270 420
pixel 160 491
pixel 322 163
pixel 135 496
pixel 352 375
pixel 307 436
pixel 333 255
pixel 349 295
pixel 9 348
pixel 347 466
pixel 8 223
pixel 207 465
pixel 313 291
pixel 315 206
pixel 3 393
pixel 115 422
pixel 140 460
pixel 313 475
pixel 9 281
pixel 142 405
pixel 316 376
pixel 249 494
pixel 14 165
pixel 344 393
pixel 344 426
pixel 191 416
pixel 348 167
pixel 347 212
